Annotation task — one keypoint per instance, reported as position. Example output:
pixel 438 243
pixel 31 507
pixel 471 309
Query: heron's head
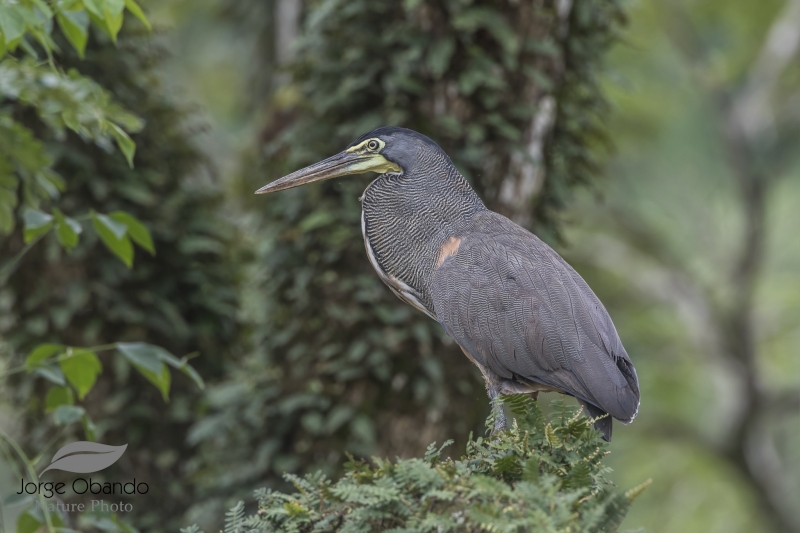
pixel 384 150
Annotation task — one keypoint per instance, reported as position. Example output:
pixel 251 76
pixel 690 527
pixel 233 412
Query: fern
pixel 539 475
pixel 234 518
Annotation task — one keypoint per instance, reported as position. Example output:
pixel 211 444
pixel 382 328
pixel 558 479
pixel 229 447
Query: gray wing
pixel 519 309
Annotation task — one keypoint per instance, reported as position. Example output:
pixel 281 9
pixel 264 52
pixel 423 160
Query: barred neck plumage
pixel 407 218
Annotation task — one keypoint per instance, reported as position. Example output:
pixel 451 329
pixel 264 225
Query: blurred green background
pixel 672 184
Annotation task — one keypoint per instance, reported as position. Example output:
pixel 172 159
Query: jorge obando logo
pixel 84 457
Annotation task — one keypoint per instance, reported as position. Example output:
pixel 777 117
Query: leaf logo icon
pixel 87 457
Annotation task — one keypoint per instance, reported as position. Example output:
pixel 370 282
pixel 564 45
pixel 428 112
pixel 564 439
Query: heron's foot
pixel 500 422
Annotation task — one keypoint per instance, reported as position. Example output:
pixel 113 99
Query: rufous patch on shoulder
pixel 449 248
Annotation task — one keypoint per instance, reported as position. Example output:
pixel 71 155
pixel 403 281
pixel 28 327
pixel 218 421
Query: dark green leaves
pixel 113 235
pixel 80 367
pixel 124 142
pixel 136 230
pixel 152 361
pixel 37 224
pixel 117 230
pixel 514 481
pixel 67 229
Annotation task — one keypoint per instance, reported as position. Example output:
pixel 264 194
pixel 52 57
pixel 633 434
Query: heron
pixel 515 307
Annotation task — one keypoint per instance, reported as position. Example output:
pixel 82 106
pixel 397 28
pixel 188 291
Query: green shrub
pixel 539 475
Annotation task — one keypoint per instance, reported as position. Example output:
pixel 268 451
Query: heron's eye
pixel 372 145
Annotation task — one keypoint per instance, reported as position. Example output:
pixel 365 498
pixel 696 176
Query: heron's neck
pixel 408 217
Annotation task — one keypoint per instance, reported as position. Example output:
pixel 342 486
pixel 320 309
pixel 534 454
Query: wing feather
pixel 522 311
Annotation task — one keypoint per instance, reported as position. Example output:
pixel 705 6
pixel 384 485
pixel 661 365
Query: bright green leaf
pixel 124 142
pixel 42 352
pixel 113 235
pixel 137 231
pixel 12 23
pixel 81 369
pixel 67 230
pixel 113 22
pixel 137 12
pixel 58 396
pixel 95 7
pixel 27 523
pixel 75 25
pixel 114 6
pixel 37 223
pixel 68 414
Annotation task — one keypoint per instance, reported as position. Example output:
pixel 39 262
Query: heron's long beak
pixel 342 164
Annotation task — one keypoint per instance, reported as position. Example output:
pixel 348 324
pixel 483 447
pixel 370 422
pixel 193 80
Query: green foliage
pixel 539 475
pixel 62 99
pixel 64 180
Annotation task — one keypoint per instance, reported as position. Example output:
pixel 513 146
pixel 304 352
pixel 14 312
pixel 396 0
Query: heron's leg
pixel 500 423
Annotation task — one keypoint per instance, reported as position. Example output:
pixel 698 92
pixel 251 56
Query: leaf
pixel 114 24
pixel 42 352
pixel 143 354
pixel 44 8
pixel 51 373
pixel 124 142
pixel 37 223
pixel 160 379
pixel 75 25
pixel 117 229
pixel 12 23
pixel 88 427
pixel 87 457
pixel 67 230
pixel 137 12
pixel 150 357
pixel 65 415
pixel 114 236
pixel 95 7
pixel 149 361
pixel 187 369
pixel 114 6
pixel 27 523
pixel 136 230
pixel 56 397
pixel 81 369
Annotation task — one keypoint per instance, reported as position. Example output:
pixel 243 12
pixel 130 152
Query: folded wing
pixel 519 309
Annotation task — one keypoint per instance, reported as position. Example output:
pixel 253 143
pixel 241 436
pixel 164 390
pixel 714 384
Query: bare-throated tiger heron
pixel 518 311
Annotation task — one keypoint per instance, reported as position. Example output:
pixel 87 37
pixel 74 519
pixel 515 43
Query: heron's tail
pixel 604 425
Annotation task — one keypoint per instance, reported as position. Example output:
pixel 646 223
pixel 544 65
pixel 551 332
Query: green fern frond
pixel 234 518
